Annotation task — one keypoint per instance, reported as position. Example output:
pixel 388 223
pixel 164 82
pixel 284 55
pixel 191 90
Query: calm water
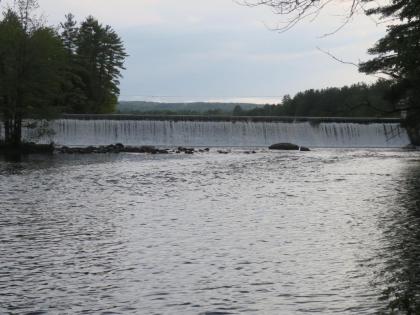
pixel 328 232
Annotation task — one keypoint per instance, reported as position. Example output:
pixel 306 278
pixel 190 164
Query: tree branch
pixel 337 59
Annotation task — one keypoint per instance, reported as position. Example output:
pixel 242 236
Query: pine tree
pixel 101 55
pixel 398 56
pixel 74 98
pixel 69 33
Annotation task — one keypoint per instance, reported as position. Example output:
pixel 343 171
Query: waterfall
pixel 80 132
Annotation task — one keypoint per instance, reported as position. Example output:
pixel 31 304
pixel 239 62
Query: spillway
pixel 225 133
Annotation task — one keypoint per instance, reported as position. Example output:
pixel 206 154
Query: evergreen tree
pixel 237 111
pixel 69 34
pixel 398 56
pixel 101 54
pixel 74 91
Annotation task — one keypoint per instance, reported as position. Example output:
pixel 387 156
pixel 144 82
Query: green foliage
pixel 397 54
pixel 237 111
pixel 194 108
pixel 359 100
pixel 100 56
pixel 96 57
pixel 31 59
pixel 43 73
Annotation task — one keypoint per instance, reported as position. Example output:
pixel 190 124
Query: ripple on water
pixel 331 231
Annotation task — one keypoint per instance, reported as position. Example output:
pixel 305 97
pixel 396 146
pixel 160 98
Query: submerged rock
pixel 284 146
pixel 119 146
pixel 147 149
pixel 186 150
pixel 410 147
pixel 112 148
pixel 288 146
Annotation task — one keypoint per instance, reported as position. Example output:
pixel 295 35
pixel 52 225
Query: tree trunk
pixel 13 132
pixel 412 125
pixel 414 134
pixel 6 123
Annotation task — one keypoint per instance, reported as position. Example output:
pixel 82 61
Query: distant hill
pixel 179 108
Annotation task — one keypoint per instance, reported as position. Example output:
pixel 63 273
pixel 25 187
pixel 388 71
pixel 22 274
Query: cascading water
pixel 79 132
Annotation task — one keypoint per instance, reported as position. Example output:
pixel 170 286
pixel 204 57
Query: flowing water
pixel 323 232
pixel 223 133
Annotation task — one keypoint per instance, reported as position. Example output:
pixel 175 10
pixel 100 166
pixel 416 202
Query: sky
pixel 219 50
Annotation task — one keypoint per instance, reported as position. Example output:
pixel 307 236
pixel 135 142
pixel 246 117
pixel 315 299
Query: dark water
pixel 328 232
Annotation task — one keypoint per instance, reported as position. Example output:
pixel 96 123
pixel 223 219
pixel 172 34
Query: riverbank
pixel 49 149
pixel 27 148
pixel 120 148
pixel 32 148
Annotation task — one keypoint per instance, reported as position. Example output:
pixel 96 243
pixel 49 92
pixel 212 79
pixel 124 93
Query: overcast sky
pixel 189 50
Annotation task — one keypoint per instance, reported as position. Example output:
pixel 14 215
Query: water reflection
pixel 36 162
pixel 327 232
pixel 401 232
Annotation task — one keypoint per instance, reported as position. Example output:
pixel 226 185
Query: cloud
pixel 217 48
pixel 121 14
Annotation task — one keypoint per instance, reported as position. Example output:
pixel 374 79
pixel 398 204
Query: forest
pixel 45 70
pixel 186 108
pixel 358 100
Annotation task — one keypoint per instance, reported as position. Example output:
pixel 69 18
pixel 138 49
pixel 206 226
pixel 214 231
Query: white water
pixel 223 133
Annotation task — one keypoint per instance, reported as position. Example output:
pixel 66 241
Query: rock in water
pixel 148 149
pixel 410 147
pixel 284 146
pixel 119 146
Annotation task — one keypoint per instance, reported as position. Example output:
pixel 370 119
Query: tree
pixel 69 34
pixel 31 57
pixel 73 89
pixel 100 53
pixel 397 55
pixel 237 111
pixel 296 11
pixel 43 73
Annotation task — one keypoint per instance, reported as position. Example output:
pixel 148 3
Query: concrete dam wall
pixel 223 131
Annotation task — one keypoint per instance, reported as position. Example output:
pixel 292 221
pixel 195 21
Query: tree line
pixel 357 100
pixel 190 108
pixel 44 70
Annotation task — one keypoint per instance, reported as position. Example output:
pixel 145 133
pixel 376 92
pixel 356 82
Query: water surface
pixel 327 231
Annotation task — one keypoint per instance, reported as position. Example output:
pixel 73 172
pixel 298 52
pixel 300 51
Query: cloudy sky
pixel 189 50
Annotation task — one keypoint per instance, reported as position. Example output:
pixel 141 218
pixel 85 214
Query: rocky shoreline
pixel 148 149
pixel 27 148
pixel 31 148
pixel 120 148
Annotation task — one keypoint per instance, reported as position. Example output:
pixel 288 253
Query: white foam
pixel 224 133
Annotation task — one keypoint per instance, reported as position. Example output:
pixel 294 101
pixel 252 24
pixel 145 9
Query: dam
pixel 223 131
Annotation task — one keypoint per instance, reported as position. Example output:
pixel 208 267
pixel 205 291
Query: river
pixel 331 231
